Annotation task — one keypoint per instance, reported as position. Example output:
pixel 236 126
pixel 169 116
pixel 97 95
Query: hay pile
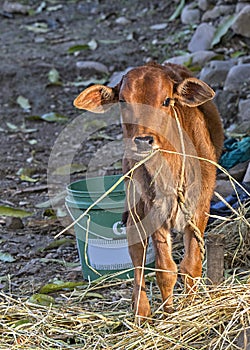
pixel 236 234
pixel 98 316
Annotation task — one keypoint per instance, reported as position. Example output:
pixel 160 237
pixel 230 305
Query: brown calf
pixel 167 116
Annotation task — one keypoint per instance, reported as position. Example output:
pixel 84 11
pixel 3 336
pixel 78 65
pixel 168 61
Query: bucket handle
pixel 83 228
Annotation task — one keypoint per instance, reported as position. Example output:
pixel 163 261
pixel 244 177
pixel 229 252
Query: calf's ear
pixel 96 98
pixel 193 92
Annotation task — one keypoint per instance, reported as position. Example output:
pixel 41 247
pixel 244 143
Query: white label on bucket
pixel 102 257
pixel 119 229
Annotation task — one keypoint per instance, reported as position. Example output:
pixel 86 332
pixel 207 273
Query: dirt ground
pixel 27 55
pixel 31 46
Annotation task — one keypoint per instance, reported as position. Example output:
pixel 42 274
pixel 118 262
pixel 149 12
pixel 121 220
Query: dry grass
pixel 237 239
pixel 213 321
pixel 98 316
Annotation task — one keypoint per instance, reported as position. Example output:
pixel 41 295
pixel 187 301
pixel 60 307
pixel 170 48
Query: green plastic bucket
pixel 101 239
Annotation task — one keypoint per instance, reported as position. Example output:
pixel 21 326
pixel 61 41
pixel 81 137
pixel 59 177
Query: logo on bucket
pixel 119 229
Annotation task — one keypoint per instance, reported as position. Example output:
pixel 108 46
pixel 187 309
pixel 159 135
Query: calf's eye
pixel 166 102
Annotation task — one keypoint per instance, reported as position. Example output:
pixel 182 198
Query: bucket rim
pixel 102 205
pixel 72 191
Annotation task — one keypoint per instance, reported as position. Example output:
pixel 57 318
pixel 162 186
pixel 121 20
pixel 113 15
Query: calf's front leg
pixel 166 269
pixel 139 299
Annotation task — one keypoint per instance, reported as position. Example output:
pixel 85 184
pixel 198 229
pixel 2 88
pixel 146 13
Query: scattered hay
pixel 236 233
pixel 218 318
pixel 214 320
pixel 98 315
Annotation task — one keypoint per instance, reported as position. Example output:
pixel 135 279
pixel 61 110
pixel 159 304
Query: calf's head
pixel 146 96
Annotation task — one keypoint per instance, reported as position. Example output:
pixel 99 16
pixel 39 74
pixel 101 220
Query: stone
pixel 244 110
pixel 196 58
pixel 202 38
pixel 116 77
pixel 14 223
pixel 244 339
pixel 241 24
pixel 202 57
pixel 16 7
pixel 244 59
pixel 240 6
pixel 228 1
pixel 226 102
pixel 224 188
pixel 247 174
pixel 241 129
pixel 122 20
pixel 238 171
pixel 215 72
pixel 182 60
pixel 39 39
pixel 190 15
pixel 218 11
pixel 159 26
pixel 92 66
pixel 203 4
pixel 238 78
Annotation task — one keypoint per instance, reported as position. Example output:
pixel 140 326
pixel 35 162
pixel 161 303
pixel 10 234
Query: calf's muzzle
pixel 144 143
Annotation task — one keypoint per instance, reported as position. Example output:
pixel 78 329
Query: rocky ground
pixel 50 51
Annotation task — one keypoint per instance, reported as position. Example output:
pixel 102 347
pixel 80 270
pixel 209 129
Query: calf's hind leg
pixel 191 265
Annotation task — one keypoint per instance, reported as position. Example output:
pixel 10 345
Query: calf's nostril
pixel 144 143
pixel 144 139
pixel 150 140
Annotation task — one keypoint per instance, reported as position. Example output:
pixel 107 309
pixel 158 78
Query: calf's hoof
pixel 142 312
pixel 168 309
